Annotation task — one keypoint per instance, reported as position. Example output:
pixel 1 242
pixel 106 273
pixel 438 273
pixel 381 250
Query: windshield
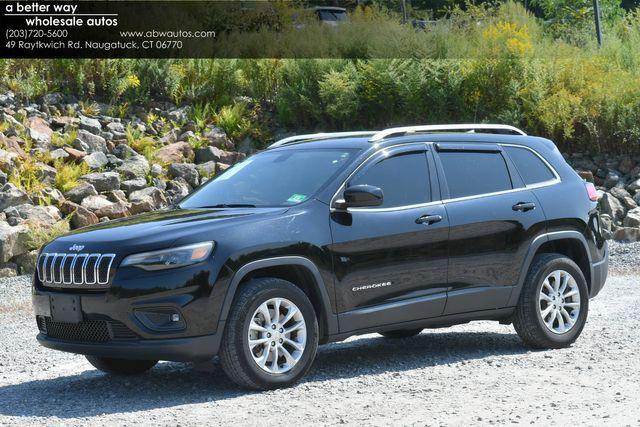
pixel 271 178
pixel 332 15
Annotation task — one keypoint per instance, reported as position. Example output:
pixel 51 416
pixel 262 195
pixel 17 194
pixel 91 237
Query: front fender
pixel 330 317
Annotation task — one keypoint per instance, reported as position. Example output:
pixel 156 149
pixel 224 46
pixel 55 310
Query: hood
pixel 158 229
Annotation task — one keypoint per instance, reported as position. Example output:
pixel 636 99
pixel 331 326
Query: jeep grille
pixel 64 270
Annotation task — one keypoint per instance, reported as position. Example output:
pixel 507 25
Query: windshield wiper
pixel 229 205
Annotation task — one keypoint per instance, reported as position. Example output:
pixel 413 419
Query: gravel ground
pixel 479 373
pixel 624 258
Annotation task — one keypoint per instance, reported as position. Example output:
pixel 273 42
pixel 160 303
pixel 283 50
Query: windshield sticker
pixel 297 198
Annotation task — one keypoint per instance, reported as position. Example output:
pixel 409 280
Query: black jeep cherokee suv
pixel 321 237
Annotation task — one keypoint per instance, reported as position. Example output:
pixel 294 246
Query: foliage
pixel 89 108
pixel 233 119
pixel 486 62
pixel 66 139
pixel 40 236
pixel 202 114
pixel 68 174
pixel 579 12
pixel 27 176
pixel 140 143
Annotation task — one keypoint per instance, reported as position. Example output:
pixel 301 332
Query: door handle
pixel 429 219
pixel 524 206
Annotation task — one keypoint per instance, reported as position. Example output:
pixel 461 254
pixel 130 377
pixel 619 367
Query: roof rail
pixel 314 136
pixel 438 128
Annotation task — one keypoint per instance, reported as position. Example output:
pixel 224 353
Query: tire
pixel 400 333
pixel 121 366
pixel 528 317
pixel 241 363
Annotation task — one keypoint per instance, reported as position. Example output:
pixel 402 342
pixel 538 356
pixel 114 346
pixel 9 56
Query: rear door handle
pixel 429 219
pixel 524 206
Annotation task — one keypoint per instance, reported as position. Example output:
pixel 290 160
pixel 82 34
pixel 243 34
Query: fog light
pixel 161 319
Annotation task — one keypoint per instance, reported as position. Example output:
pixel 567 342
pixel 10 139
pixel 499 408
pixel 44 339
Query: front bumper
pixel 174 349
pixel 134 318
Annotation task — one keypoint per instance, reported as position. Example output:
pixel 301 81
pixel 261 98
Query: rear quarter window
pixel 531 168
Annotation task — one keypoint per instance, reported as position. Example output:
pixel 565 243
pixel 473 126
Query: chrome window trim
pixel 397 208
pixel 361 165
pixel 551 168
pixel 543 184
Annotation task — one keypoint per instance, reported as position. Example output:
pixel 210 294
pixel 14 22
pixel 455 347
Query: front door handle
pixel 429 219
pixel 524 206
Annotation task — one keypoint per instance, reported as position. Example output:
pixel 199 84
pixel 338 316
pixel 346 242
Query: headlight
pixel 170 258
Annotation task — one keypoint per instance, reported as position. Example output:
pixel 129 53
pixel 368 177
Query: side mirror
pixel 360 196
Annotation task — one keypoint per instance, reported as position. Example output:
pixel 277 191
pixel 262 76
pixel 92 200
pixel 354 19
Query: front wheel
pixel 271 335
pixel 553 304
pixel 121 366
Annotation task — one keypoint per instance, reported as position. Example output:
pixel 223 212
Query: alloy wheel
pixel 277 335
pixel 559 302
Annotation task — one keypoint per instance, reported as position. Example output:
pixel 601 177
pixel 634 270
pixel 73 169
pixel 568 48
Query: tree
pixel 579 12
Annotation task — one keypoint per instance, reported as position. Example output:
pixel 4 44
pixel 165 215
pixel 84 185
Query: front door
pixel 391 261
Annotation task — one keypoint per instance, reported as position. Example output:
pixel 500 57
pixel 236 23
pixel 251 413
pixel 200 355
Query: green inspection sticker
pixel 297 198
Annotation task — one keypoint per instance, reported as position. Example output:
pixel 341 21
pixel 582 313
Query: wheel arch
pixel 298 270
pixel 572 244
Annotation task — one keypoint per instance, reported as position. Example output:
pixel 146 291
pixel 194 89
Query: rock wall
pixel 119 181
pixel 617 179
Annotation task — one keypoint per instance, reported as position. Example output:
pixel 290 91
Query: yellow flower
pixel 509 38
pixel 133 80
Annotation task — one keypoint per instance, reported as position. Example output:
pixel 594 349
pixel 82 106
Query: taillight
pixel 591 191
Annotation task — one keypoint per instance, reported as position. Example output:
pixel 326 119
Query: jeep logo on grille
pixel 76 248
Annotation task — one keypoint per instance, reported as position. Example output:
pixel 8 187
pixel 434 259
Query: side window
pixel 470 173
pixel 404 179
pixel 531 167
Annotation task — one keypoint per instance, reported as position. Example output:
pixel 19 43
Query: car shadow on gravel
pixel 92 393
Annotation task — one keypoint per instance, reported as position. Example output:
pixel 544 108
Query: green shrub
pixel 68 174
pixel 233 119
pixel 40 236
pixel 65 139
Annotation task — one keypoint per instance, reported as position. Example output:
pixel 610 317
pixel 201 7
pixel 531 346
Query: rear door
pixel 391 261
pixel 494 219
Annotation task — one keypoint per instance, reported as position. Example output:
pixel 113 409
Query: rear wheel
pixel 553 305
pixel 401 333
pixel 121 366
pixel 271 336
